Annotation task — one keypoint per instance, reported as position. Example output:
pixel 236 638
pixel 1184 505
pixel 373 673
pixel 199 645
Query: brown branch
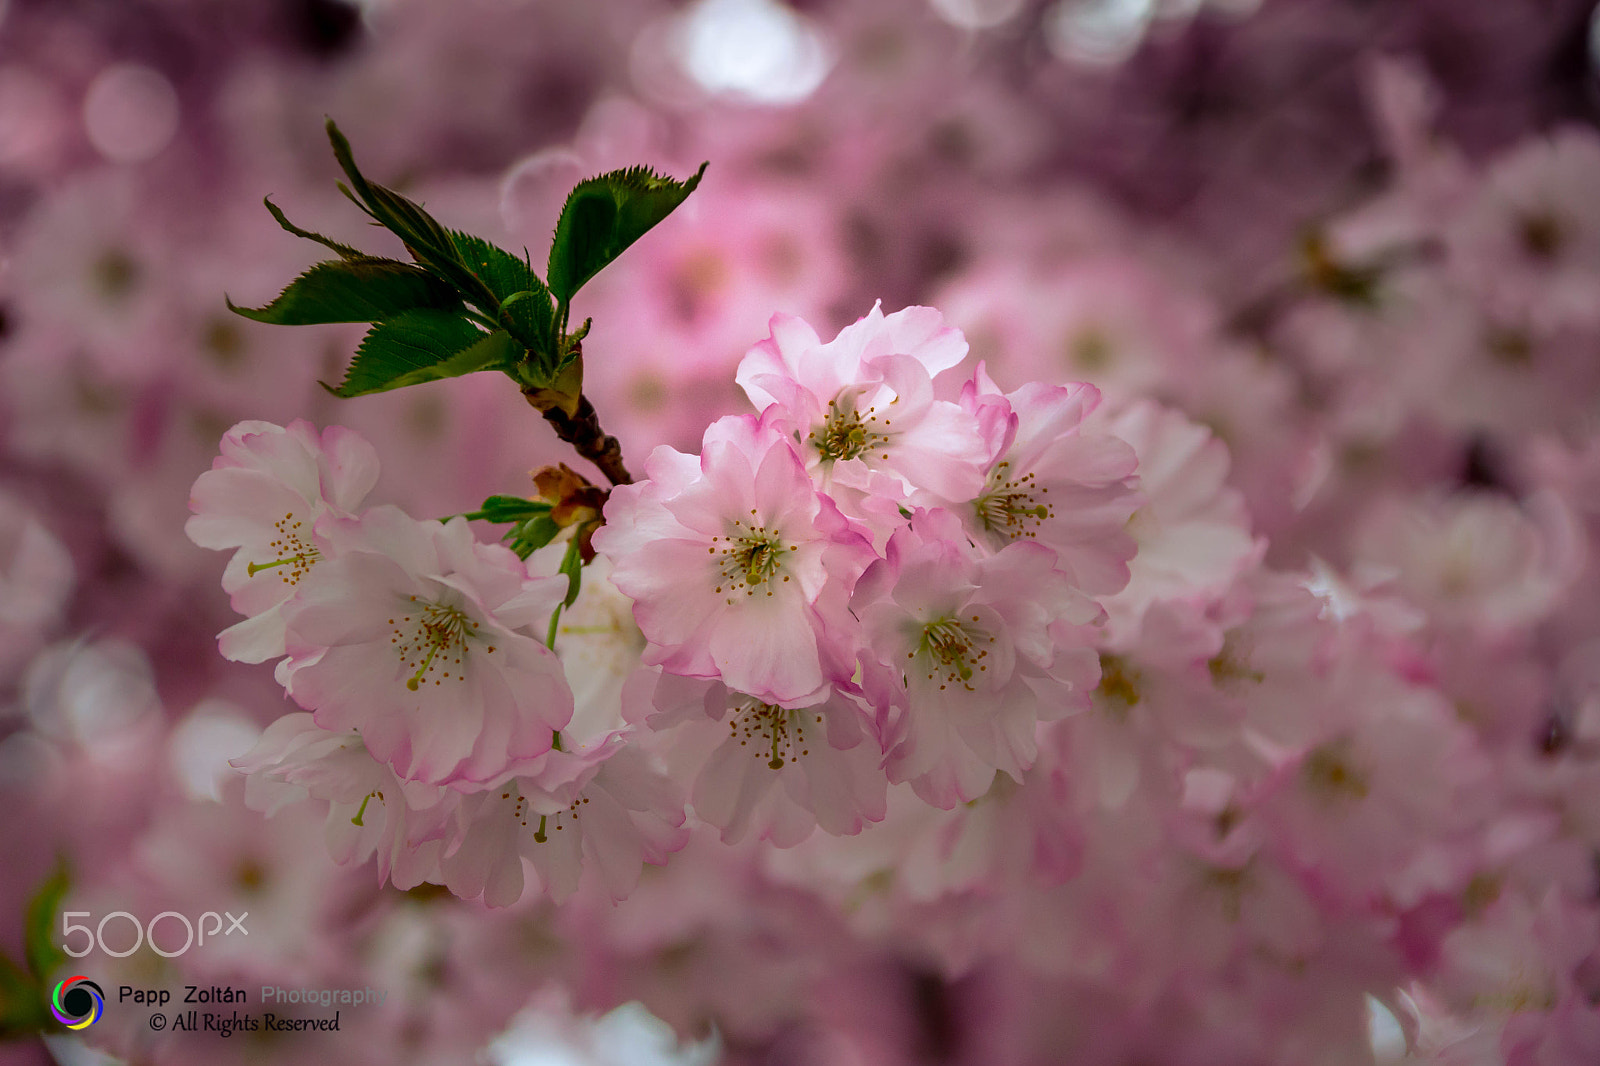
pixel 582 430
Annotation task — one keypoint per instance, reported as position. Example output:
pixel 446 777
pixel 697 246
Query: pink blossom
pixel 1193 529
pixel 772 771
pixel 1475 559
pixel 1529 244
pixel 1104 317
pixel 966 654
pixel 1388 771
pixel 371 811
pixel 262 497
pixel 420 638
pixel 863 402
pixel 726 558
pixel 1050 482
pixel 618 815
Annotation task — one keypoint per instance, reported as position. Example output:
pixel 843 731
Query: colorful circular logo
pixel 77 1002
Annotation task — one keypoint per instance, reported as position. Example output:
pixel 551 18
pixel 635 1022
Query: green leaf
pixel 423 345
pixel 532 535
pixel 603 216
pixel 523 305
pixel 531 318
pixel 363 289
pixel 22 1009
pixel 501 272
pixel 428 242
pixel 42 952
pixel 344 250
pixel 509 509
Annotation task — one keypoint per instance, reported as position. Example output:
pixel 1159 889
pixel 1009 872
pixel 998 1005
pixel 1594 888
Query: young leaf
pixel 603 216
pixel 22 1002
pixel 353 289
pixel 509 509
pixel 501 272
pixel 532 320
pixel 344 250
pixel 524 306
pixel 424 345
pixel 532 535
pixel 42 953
pixel 572 566
pixel 427 241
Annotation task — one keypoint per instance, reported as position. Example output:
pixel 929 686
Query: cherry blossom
pixel 1220 687
pixel 726 558
pixel 863 403
pixel 371 811
pixel 967 654
pixel 1052 483
pixel 262 497
pixel 615 817
pixel 1192 530
pixel 420 638
pixel 775 772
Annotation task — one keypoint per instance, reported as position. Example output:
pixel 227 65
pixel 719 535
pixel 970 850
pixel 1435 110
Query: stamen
pixel 847 432
pixel 1010 506
pixel 439 628
pixel 950 648
pixel 751 557
pixel 291 550
pixel 780 735
pixel 362 810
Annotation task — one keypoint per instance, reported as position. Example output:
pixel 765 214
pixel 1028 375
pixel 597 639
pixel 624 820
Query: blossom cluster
pixel 1280 745
pixel 435 707
pixel 861 585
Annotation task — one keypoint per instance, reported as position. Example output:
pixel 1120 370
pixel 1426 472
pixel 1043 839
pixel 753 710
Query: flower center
pixel 1118 689
pixel 749 559
pixel 548 823
pixel 1011 506
pixel 848 433
pixel 778 735
pixel 950 650
pixel 290 550
pixel 1509 346
pixel 1329 772
pixel 1541 235
pixel 434 636
pixel 114 275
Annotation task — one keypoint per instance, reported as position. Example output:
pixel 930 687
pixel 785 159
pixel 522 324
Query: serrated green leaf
pixel 531 318
pixel 509 509
pixel 344 250
pixel 503 273
pixel 603 216
pixel 429 242
pixel 364 289
pixel 43 954
pixel 523 306
pixel 575 338
pixel 423 345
